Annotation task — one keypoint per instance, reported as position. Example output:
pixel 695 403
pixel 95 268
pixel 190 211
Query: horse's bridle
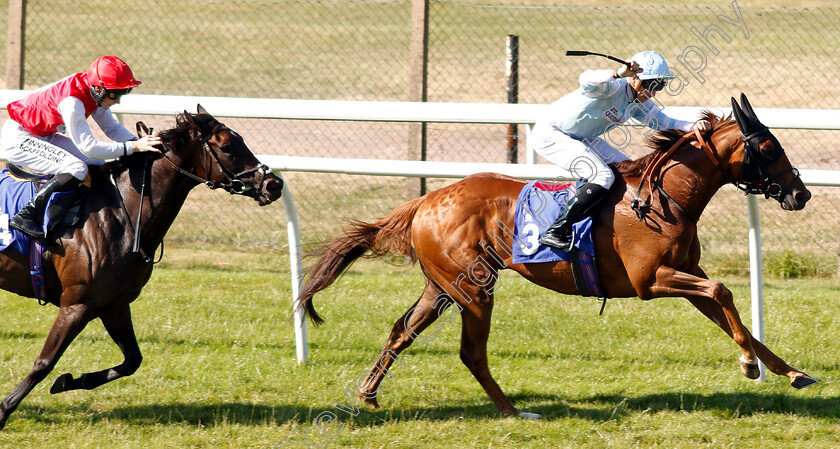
pixel 754 161
pixel 234 184
pixel 757 163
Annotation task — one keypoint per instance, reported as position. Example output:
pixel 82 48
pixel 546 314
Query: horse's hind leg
pixel 70 321
pixel 474 333
pixel 117 321
pixel 407 329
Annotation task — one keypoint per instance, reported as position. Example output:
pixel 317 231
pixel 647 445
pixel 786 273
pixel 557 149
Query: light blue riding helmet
pixel 654 66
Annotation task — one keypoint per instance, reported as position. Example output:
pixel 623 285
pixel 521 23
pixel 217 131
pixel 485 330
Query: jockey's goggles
pixel 655 84
pixel 114 94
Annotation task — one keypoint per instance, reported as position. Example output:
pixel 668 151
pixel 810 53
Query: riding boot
pixel 28 220
pixel 559 235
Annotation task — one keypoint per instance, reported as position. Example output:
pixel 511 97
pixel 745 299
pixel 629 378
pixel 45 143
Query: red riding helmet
pixel 110 73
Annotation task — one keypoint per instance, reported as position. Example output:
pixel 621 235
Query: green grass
pixel 219 367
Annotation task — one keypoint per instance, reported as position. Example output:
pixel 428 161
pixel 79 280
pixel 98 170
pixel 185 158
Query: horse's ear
pixel 747 106
pixel 189 117
pixel 201 110
pixel 142 129
pixel 740 118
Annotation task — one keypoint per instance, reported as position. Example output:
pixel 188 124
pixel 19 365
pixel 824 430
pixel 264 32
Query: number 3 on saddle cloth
pixel 15 193
pixel 538 205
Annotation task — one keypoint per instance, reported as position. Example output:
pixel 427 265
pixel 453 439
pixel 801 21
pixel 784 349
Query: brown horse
pixel 458 234
pixel 91 270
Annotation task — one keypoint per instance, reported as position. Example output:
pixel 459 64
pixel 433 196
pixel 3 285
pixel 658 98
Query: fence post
pixel 756 277
pixel 418 73
pixel 296 268
pixel 15 44
pixel 512 64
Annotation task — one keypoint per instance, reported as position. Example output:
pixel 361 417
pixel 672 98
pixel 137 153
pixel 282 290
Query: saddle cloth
pixel 14 195
pixel 538 205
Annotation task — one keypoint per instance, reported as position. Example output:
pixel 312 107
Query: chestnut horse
pixel 457 235
pixel 90 268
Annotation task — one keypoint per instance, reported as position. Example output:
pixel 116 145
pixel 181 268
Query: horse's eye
pixel 767 151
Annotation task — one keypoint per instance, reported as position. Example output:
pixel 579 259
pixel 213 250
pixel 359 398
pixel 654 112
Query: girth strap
pixel 585 275
pixel 36 271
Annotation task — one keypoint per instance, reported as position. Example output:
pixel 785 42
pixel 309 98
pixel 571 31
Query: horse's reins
pixel 638 205
pixel 136 228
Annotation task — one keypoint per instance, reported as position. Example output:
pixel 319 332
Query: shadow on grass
pixel 726 405
pixel 598 408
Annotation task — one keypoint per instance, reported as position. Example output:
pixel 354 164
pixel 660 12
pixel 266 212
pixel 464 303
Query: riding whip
pixel 589 53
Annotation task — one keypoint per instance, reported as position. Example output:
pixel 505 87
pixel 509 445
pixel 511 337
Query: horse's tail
pixel 391 234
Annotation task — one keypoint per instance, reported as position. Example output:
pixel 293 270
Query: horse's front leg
pixel 774 363
pixel 69 323
pixel 698 289
pixel 670 282
pixel 117 321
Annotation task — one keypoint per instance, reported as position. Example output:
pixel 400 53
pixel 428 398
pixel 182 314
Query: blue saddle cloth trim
pixel 14 195
pixel 536 209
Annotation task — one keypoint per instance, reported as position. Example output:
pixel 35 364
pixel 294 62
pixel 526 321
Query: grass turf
pixel 220 370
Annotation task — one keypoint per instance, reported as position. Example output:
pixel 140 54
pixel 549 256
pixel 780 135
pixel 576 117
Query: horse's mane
pixel 173 137
pixel 662 141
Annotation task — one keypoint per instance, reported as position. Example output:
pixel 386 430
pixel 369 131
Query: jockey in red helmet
pixel 47 131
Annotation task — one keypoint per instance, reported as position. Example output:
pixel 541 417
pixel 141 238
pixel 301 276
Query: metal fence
pixel 358 50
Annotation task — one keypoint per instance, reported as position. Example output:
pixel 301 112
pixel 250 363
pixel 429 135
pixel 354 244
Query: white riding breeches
pixel 578 158
pixel 51 154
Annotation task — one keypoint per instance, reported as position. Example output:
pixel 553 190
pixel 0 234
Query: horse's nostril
pixel 275 185
pixel 803 197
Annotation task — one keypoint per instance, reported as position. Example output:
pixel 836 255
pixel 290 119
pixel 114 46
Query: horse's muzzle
pixel 272 188
pixel 796 199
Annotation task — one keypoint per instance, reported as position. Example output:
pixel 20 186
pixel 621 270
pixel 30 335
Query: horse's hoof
pixel 802 381
pixel 60 384
pixel 750 370
pixel 527 415
pixel 371 402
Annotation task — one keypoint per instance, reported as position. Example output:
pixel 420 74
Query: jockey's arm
pixel 110 126
pixel 649 115
pixel 599 83
pixel 77 129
